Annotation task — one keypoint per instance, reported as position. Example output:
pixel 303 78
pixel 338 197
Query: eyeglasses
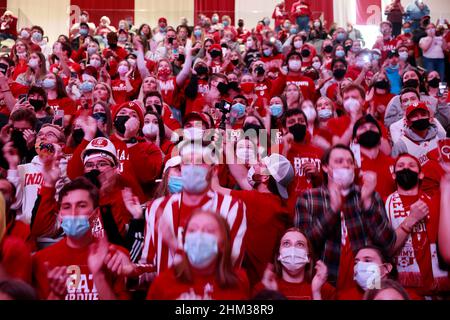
pixel 47 135
pixel 98 165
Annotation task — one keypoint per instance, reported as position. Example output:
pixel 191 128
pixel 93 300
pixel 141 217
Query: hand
pixel 137 42
pixel 51 169
pixel 57 279
pixel 11 155
pixel 381 109
pixel 320 278
pixel 5 133
pixel 30 138
pixel 108 180
pixel 368 188
pixel 132 203
pixel 165 229
pixel 118 263
pixel 310 169
pixel 419 210
pixel 131 128
pixel 269 279
pixel 335 196
pixel 98 251
pixel 89 126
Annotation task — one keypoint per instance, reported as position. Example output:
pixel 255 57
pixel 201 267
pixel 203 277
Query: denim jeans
pixel 303 23
pixel 436 65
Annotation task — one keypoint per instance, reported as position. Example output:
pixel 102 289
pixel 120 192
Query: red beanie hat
pixel 133 106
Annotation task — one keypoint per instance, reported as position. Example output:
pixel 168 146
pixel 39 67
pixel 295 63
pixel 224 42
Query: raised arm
pixel 186 71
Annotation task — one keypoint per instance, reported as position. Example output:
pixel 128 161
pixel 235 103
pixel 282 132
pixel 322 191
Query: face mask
pixel 310 113
pixel 92 176
pixel 293 31
pixel 407 30
pixel 49 84
pixel 317 24
pixel 356 50
pixel 431 31
pixel 99 116
pixel 193 134
pixel 123 39
pixel 360 63
pixel 37 37
pixel 223 88
pixel 247 87
pixel 233 85
pixel 238 110
pixel 347 47
pixel 235 62
pixel 298 44
pixel 421 124
pixel 293 259
pixel 201 248
pixel 295 65
pixel 24 34
pixel 78 135
pixel 267 52
pixel 382 84
pixel 434 83
pixel 369 139
pixel 194 178
pixel 250 174
pixel 340 53
pixel 325 114
pixel 225 23
pixel 316 65
pixel 305 53
pixel 328 49
pixel 75 227
pixel 240 24
pixel 175 184
pixel 406 178
pixel 86 86
pixel 150 130
pixel 298 131
pixel 84 32
pixel 245 155
pixel 351 105
pixel 411 83
pixel 251 126
pixel 339 73
pixel 95 63
pixel 37 104
pixel 249 44
pixel 201 70
pixel 33 63
pixel 119 124
pixel 343 177
pixel 340 37
pixel 214 19
pixel 366 274
pixel 215 54
pixel 198 33
pixel 276 110
pixel 122 70
pixel 164 72
pixel 112 45
pixel 91 51
pixel 260 70
pixel 375 57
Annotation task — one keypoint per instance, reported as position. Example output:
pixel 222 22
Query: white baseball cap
pixel 281 170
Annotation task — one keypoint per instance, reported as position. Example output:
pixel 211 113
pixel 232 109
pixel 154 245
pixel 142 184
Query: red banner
pixel 368 12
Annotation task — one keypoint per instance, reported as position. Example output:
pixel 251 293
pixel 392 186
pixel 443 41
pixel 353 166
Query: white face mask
pixel 249 44
pixel 295 65
pixel 343 177
pixel 250 174
pixel 150 130
pixel 351 105
pixel 293 259
pixel 246 155
pixel 95 63
pixel 33 63
pixel 403 56
pixel 311 114
pixel 316 65
pixel 367 275
pixel 298 44
pixel 193 134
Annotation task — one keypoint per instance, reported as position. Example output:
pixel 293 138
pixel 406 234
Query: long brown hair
pixel 309 269
pixel 225 275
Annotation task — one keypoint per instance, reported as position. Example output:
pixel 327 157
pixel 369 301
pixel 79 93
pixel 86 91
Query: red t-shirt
pixel 168 90
pixel 66 104
pixel 305 84
pixel 300 291
pixel 383 166
pixel 346 262
pixel 265 211
pixel 15 258
pixel 167 287
pixel 385 47
pixel 119 90
pixel 60 254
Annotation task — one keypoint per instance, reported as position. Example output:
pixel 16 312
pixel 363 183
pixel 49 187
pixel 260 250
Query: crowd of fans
pixel 281 161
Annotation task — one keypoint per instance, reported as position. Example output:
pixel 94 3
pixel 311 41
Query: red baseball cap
pixel 197 116
pixel 416 106
pixel 162 20
pixel 215 47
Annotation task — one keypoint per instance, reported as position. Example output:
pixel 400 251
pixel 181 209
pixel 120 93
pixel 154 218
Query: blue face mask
pixel 293 31
pixel 226 23
pixel 201 248
pixel 340 37
pixel 84 32
pixel 75 227
pixel 198 33
pixel 276 110
pixel 194 178
pixel 238 109
pixel 175 184
pixel 407 30
pixel 49 84
pixel 86 86
pixel 340 53
pixel 37 37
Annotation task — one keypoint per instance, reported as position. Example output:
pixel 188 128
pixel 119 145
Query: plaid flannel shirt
pixel 314 215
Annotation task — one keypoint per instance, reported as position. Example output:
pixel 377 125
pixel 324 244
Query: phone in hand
pixel 442 88
pixel 73 75
pixel 58 118
pixel 23 97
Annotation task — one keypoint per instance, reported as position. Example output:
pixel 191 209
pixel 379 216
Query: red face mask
pixel 164 72
pixel 247 87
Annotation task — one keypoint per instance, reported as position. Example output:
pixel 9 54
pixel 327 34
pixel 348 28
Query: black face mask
pixel 119 124
pixel 369 139
pixel 434 83
pixel 347 48
pixel 328 49
pixel 406 178
pixel 78 135
pixel 201 70
pixel 4 68
pixel 421 124
pixel 233 85
pixel 156 107
pixel 19 142
pixel 339 73
pixel 223 88
pixel 250 126
pixel 99 116
pixel 112 45
pixel 235 62
pixel 37 104
pixel 170 40
pixel 306 53
pixel 92 176
pixel 215 54
pixel 259 70
pixel 181 58
pixel 382 84
pixel 411 83
pixel 240 25
pixel 298 131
